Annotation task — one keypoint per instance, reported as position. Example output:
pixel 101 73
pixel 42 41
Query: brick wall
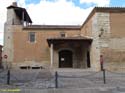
pixel 39 51
pixel 112 39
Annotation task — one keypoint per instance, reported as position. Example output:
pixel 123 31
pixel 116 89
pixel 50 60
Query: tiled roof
pixel 76 38
pixel 19 12
pixel 53 27
pixel 104 9
pixel 70 38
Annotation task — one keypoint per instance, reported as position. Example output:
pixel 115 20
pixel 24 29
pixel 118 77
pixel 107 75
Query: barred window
pixel 62 34
pixel 32 37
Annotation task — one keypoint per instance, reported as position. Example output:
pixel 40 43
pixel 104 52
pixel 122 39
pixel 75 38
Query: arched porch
pixel 70 52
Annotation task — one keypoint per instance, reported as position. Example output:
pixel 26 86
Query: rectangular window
pixel 62 34
pixel 32 37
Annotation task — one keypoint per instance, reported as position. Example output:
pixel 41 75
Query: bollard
pixel 101 62
pixel 56 79
pixel 104 77
pixel 8 77
pixel 102 67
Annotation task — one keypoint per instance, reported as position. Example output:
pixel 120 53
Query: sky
pixel 56 12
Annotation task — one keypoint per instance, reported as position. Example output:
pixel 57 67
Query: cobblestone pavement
pixel 44 79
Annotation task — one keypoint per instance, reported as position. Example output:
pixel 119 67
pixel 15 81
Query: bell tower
pixel 16 17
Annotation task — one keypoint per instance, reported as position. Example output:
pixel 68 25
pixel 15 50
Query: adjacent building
pixel 66 46
pixel 1 56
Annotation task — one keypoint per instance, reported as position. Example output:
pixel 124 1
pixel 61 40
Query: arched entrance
pixel 65 59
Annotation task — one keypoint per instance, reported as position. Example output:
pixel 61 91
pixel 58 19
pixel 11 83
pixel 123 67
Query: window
pixel 32 37
pixel 62 34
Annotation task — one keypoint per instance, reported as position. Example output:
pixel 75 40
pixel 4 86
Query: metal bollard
pixel 101 62
pixel 104 77
pixel 8 77
pixel 56 79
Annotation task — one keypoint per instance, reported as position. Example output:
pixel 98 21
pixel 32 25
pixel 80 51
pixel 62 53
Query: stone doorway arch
pixel 65 59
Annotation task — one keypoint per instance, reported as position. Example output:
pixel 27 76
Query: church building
pixel 65 46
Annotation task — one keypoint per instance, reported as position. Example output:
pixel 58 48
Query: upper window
pixel 32 37
pixel 62 34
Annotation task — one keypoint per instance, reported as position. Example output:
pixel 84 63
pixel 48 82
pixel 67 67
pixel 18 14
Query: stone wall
pixel 8 45
pixel 112 46
pixel 8 48
pixel 104 36
pixel 103 21
pixel 95 48
pixel 79 53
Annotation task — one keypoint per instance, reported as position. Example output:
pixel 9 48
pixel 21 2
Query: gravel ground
pixel 42 79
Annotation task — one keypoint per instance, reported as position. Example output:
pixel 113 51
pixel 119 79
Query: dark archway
pixel 65 59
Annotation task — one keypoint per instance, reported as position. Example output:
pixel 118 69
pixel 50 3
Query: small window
pixel 62 34
pixel 32 36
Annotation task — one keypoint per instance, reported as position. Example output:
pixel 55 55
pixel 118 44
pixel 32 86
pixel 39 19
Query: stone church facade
pixel 66 46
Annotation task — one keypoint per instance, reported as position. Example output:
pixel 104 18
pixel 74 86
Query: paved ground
pixel 71 90
pixel 67 79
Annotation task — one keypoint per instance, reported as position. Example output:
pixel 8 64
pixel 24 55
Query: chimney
pixel 14 4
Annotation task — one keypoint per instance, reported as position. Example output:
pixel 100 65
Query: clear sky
pixel 56 12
